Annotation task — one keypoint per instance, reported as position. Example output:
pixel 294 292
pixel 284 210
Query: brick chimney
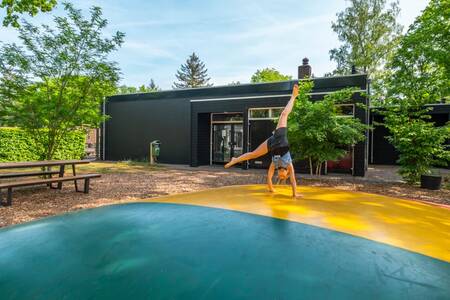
pixel 305 69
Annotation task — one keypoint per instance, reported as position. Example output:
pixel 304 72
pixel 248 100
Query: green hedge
pixel 17 145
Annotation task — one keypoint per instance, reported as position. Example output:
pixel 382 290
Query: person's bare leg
pixel 260 151
pixel 282 121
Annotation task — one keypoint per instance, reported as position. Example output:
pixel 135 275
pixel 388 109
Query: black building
pixel 205 126
pixel 381 152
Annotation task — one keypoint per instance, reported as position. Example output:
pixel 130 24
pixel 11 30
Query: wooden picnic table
pixel 44 163
pixel 39 164
pixel 47 172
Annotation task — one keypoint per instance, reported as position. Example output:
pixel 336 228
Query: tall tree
pixel 16 7
pixel 269 75
pixel 420 68
pixel 192 74
pixel 56 81
pixel 419 74
pixel 152 86
pixel 369 32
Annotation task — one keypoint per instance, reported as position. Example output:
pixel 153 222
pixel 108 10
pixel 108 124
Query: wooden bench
pixel 10 185
pixel 26 174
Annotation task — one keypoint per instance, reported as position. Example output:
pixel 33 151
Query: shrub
pixel 317 131
pixel 18 145
pixel 421 144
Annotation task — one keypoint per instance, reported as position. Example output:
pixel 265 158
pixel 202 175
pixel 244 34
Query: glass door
pixel 238 140
pixel 227 142
pixel 221 143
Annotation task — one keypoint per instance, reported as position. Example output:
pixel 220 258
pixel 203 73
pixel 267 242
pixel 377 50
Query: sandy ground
pixel 120 184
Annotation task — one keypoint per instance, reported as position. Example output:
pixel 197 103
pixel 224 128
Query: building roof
pixel 321 85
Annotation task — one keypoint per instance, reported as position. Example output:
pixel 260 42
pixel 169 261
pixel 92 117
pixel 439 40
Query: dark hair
pixel 279 168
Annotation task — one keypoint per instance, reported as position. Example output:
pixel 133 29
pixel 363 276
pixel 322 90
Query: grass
pixel 101 167
pixel 118 167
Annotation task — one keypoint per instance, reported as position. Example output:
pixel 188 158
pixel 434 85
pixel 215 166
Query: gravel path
pixel 120 187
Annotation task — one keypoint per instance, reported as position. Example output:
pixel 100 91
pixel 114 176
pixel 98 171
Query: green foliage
pixel 124 89
pixel 419 74
pixel 269 75
pixel 32 7
pixel 56 82
pixel 18 145
pixel 317 131
pixel 368 32
pixel 420 144
pixel 420 69
pixel 152 87
pixel 192 74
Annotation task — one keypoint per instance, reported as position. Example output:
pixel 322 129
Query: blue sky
pixel 234 38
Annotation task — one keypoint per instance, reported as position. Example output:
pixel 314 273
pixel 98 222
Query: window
pixel 265 113
pixel 276 112
pixel 232 117
pixel 259 113
pixel 346 110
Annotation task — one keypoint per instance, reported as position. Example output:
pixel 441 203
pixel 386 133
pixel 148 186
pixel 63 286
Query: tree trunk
pixel 50 145
pixel 310 166
pixel 319 168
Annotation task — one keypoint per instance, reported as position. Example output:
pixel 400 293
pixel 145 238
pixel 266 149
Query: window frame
pixel 269 109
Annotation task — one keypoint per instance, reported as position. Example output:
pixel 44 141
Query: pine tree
pixel 192 74
pixel 152 86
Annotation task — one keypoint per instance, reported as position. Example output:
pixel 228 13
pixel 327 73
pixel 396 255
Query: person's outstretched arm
pixel 293 181
pixel 270 173
pixel 282 121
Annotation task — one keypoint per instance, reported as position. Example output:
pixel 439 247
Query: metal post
pixel 151 154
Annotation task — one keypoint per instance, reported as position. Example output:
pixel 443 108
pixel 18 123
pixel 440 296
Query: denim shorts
pixel 282 161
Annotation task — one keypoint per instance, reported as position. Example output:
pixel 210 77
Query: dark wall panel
pixel 260 130
pixel 204 137
pixel 134 124
pixel 382 152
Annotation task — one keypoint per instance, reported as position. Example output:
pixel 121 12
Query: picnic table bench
pixel 46 172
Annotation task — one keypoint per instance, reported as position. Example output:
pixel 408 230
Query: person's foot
pixel 297 196
pixel 231 163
